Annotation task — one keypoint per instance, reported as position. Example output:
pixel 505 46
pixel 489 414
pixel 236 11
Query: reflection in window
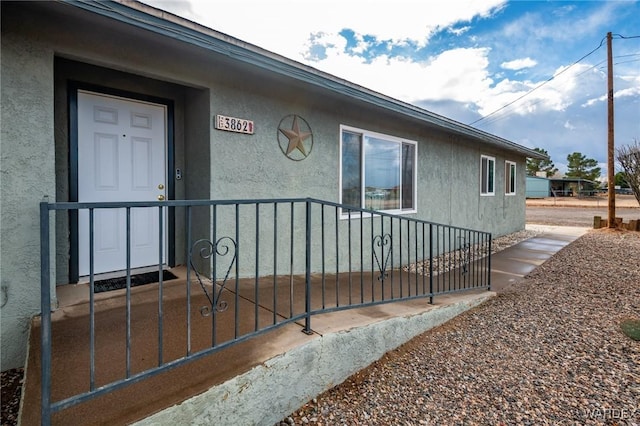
pixel 382 174
pixel 378 172
pixel 510 177
pixel 351 170
pixel 487 175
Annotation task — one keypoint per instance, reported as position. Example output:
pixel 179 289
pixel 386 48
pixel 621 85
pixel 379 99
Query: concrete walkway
pixel 512 264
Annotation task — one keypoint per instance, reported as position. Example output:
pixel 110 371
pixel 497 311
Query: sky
pixel 533 72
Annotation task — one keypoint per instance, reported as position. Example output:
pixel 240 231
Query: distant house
pixel 119 101
pixel 573 187
pixel 538 187
pixel 542 187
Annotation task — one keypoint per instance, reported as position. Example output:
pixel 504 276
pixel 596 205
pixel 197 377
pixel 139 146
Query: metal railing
pixel 254 265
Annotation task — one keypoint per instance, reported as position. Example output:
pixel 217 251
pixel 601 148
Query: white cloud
pixel 629 92
pixel 283 26
pixel 568 87
pixel 459 31
pixel 459 74
pixel 518 64
pixel 593 101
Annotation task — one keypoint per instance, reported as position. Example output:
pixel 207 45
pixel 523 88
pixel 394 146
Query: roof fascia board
pixel 163 23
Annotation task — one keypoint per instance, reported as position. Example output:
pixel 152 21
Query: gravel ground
pixel 446 261
pixel 11 381
pixel 548 351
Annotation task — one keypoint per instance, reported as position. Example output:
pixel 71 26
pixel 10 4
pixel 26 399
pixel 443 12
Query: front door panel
pixel 121 157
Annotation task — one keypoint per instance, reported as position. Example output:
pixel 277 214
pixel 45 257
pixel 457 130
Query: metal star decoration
pixel 296 138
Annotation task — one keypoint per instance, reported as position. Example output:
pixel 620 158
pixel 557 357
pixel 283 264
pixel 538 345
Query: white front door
pixel 121 157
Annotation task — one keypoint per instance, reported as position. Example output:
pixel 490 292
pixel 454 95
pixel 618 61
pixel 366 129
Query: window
pixel 487 175
pixel 377 171
pixel 510 178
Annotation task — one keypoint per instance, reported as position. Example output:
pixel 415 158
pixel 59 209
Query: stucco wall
pixel 215 164
pixel 27 173
pixel 254 167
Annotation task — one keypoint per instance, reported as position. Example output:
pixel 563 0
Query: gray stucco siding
pixel 27 176
pixel 47 45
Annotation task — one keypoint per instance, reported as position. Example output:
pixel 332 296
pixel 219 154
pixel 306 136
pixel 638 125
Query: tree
pixel 620 179
pixel 629 158
pixel 535 165
pixel 581 167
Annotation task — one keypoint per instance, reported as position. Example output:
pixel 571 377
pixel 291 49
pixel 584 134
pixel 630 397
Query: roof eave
pixel 167 24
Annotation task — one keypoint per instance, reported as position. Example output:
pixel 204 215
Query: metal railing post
pixel 307 272
pixel 160 288
pixel 45 313
pixel 431 263
pixel 489 265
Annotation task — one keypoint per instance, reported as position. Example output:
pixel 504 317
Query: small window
pixel 378 171
pixel 510 178
pixel 487 175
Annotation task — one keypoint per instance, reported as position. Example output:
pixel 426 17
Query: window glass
pixel 382 174
pixel 491 180
pixel 351 170
pixel 487 175
pixel 408 175
pixel 378 172
pixel 510 177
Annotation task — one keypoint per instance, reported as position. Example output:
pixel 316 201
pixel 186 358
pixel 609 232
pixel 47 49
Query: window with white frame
pixel 487 175
pixel 510 178
pixel 377 171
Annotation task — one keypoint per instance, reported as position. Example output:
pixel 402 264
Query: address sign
pixel 233 124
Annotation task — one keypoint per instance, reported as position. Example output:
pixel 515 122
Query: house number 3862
pixel 233 124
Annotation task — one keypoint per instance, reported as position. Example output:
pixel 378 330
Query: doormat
pixel 136 280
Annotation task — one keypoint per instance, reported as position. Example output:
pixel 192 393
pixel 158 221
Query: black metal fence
pixel 254 265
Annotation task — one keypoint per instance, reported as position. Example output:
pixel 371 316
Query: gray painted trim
pixel 169 25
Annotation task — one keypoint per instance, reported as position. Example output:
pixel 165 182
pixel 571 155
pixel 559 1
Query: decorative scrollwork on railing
pixel 379 244
pixel 205 249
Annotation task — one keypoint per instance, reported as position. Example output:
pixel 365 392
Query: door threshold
pixel 75 294
pixel 118 274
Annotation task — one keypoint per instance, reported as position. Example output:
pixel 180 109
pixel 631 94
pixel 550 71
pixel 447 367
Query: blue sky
pixel 463 59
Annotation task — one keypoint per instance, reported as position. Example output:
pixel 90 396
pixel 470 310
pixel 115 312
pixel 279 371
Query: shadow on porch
pixel 153 342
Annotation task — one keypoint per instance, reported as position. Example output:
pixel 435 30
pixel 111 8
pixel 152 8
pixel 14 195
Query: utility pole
pixel 611 190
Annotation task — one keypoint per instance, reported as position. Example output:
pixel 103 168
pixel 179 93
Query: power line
pixel 626 62
pixel 505 115
pixel 552 78
pixel 538 86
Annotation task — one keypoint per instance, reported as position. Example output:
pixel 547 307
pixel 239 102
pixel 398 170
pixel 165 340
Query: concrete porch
pixel 369 333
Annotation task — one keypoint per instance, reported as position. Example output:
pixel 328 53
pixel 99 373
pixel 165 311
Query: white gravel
pixel 444 262
pixel 548 351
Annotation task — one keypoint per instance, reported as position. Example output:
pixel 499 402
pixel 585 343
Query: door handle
pixel 160 197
